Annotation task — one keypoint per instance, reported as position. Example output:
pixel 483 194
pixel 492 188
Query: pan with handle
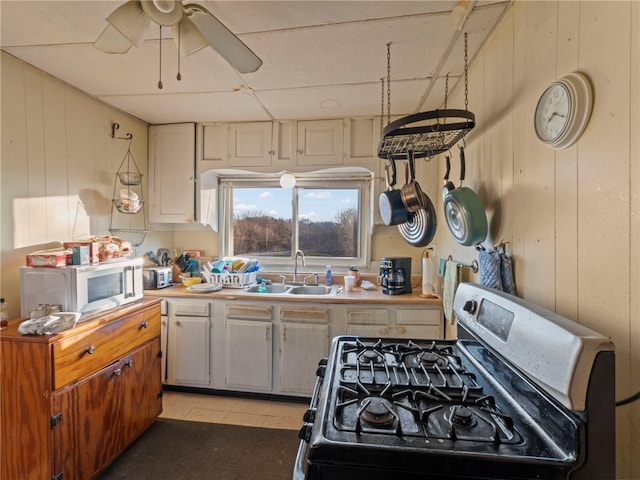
pixel 464 212
pixel 392 210
pixel 412 196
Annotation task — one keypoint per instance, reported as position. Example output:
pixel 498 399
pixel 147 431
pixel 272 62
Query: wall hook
pixel 114 128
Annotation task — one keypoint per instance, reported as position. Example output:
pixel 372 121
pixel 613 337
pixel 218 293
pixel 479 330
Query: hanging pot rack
pixel 427 134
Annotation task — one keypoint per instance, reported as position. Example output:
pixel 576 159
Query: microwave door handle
pixel 129 292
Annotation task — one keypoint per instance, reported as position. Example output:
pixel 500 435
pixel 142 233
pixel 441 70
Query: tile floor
pixel 230 410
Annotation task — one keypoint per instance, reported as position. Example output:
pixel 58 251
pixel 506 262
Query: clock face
pixel 553 113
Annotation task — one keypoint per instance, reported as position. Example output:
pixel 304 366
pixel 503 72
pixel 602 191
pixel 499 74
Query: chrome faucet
pixel 299 253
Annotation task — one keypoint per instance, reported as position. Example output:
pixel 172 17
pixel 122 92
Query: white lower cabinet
pixel 303 342
pixel 188 343
pixel 248 347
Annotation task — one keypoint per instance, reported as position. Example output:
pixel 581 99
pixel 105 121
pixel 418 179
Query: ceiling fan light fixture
pixel 131 21
pixel 188 37
pixel 163 12
pixel 223 41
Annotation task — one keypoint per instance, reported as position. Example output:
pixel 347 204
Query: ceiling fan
pixel 193 28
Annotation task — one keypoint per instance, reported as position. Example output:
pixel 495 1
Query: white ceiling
pixel 322 59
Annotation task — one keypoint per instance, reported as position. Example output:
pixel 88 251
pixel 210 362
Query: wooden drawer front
pixel 78 356
pixel 248 312
pixel 189 309
pixel 367 317
pixel 304 315
pixel 419 317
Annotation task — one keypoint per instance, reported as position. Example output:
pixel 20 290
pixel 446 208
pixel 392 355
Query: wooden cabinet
pixel 188 342
pixel 320 143
pixel 303 341
pixel 172 158
pixel 248 347
pixel 237 145
pixel 61 422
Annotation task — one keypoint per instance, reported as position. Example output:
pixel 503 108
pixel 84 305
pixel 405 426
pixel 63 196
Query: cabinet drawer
pixel 304 315
pixel 367 317
pixel 419 317
pixel 189 309
pixel 248 312
pixel 80 355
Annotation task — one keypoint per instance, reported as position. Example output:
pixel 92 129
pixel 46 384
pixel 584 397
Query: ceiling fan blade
pixel 112 41
pixel 131 21
pixel 223 40
pixel 187 37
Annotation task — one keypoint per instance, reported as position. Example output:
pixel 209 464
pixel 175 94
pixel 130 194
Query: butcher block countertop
pixel 357 296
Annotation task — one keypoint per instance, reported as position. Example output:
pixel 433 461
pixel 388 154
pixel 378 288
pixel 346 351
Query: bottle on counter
pixel 4 314
pixel 328 276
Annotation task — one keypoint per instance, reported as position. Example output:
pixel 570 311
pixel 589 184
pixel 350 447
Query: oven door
pixel 300 467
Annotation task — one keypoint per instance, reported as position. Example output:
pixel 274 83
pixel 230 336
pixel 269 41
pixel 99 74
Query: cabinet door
pixel 419 323
pixel 321 142
pixel 172 173
pixel 248 362
pixel 250 144
pixel 142 394
pixel 301 348
pixel 188 351
pixel 86 440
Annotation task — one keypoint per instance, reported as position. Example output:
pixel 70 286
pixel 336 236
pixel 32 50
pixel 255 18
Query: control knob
pixel 470 306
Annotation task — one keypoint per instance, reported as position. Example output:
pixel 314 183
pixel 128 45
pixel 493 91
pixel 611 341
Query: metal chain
pixel 466 74
pixel 388 83
pixel 446 91
pixel 381 104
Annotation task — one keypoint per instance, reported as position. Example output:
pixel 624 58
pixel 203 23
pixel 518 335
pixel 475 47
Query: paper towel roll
pixel 428 270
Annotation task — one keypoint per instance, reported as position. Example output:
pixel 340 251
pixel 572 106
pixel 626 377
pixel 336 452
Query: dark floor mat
pixel 180 450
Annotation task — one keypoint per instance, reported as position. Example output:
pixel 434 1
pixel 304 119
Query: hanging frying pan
pixel 463 211
pixel 420 228
pixel 411 192
pixel 392 210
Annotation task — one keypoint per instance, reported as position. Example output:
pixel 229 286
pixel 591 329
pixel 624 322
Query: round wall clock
pixel 563 110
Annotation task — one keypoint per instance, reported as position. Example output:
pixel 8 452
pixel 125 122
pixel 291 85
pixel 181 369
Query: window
pixel 326 216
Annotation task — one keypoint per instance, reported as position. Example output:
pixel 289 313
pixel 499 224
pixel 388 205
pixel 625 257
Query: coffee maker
pixel 395 275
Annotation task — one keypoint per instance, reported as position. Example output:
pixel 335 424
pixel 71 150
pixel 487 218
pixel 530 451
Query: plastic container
pixel 328 276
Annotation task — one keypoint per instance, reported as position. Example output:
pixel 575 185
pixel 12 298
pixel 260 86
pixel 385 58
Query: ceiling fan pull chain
pixel 160 72
pixel 178 76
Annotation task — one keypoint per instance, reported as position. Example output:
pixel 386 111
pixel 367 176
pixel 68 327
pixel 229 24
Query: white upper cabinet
pixel 237 145
pixel 320 143
pixel 172 158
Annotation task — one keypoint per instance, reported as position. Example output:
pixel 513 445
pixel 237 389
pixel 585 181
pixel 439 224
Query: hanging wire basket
pixel 133 236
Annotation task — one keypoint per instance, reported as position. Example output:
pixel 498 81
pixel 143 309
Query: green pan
pixel 464 212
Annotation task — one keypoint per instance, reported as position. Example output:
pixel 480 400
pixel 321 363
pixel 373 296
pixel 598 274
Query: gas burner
pixel 460 416
pixel 370 356
pixel 429 356
pixel 428 359
pixel 377 411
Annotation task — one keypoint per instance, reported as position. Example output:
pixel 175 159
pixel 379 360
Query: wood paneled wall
pixel 571 217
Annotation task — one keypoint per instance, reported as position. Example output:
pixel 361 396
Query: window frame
pixel 361 179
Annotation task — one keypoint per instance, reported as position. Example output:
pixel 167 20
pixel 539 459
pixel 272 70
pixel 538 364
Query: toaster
pixel 154 278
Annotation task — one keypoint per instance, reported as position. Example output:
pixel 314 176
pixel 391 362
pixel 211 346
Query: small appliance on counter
pixel 395 275
pixel 155 278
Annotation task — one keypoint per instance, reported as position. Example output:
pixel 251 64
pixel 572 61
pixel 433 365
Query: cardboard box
pixel 50 258
pixel 94 249
pixel 81 255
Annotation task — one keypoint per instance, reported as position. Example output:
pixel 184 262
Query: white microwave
pixel 81 288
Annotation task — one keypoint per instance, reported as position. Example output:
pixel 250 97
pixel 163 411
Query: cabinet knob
pixel 117 372
pixel 91 350
pixel 129 363
pixel 144 325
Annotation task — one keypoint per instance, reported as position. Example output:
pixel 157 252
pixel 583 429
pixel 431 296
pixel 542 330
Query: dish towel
pixel 449 289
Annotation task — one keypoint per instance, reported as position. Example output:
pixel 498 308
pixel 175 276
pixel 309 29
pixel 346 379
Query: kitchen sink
pixel 273 289
pixel 287 289
pixel 311 290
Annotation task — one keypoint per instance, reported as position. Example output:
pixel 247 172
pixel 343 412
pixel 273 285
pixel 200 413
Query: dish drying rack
pixel 427 134
pixel 130 201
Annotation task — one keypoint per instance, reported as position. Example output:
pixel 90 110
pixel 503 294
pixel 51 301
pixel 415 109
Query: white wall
pixel 571 217
pixel 57 170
